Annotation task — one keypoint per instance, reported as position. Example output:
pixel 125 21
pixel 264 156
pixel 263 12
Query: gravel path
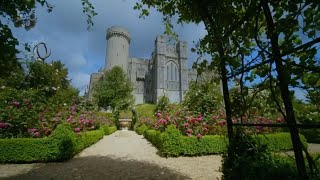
pixel 122 155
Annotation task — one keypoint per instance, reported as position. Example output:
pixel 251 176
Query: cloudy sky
pixel 83 52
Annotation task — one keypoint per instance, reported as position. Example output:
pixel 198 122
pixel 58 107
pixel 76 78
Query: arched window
pixel 176 73
pixel 172 75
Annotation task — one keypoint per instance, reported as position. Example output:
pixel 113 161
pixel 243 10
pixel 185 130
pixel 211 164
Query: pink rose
pixel 36 134
pixel 77 129
pixel 189 131
pixel 26 101
pixel 280 120
pixel 199 136
pixel 16 103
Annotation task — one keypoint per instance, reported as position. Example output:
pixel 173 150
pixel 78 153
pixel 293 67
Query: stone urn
pixel 125 124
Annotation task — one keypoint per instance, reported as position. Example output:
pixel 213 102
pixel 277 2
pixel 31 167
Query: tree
pixel 22 14
pixel 203 97
pixel 277 38
pixel 114 91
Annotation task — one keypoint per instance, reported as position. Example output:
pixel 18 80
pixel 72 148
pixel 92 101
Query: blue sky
pixel 83 52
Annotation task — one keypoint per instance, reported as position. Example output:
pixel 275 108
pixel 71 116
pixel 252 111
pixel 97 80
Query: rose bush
pixel 190 124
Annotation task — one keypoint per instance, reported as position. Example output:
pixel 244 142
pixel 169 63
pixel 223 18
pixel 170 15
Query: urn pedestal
pixel 125 124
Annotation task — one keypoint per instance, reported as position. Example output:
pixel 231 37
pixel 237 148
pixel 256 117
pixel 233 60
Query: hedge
pixel 140 130
pixel 62 145
pixel 172 143
pixel 109 129
pixel 279 141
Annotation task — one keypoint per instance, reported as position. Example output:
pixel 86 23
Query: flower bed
pixel 63 144
pixel 172 143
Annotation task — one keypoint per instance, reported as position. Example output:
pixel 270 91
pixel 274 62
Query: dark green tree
pixel 114 91
pixel 280 37
pixel 22 14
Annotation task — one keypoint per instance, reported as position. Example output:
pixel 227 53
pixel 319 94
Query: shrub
pixel 279 141
pixel 23 150
pixel 203 97
pixel 242 158
pixel 247 158
pixel 155 137
pixel 172 143
pixel 162 103
pixel 86 139
pixel 63 144
pixel 140 130
pixel 148 121
pixel 65 139
pixel 109 129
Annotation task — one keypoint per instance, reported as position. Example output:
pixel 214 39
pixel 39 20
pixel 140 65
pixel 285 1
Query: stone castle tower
pixel 118 41
pixel 165 73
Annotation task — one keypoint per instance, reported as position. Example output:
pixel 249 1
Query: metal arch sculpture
pixel 47 53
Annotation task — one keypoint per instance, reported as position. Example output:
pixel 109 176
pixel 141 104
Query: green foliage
pixel 62 145
pixel 88 138
pixel 140 130
pixel 172 143
pixel 145 120
pixel 279 141
pixel 247 158
pixel 23 150
pixel 114 91
pixel 145 110
pixel 162 103
pixel 108 129
pixel 308 113
pixel 203 97
pixel 155 137
pixel 134 118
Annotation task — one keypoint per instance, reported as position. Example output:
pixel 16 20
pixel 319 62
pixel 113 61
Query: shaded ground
pixel 94 167
pixel 122 155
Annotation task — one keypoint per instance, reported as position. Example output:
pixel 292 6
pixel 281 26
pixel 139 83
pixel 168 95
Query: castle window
pixel 140 73
pixel 172 76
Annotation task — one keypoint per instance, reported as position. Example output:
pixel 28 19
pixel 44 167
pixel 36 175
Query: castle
pixel 165 73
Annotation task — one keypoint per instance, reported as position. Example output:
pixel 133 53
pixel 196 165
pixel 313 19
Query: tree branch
pixel 303 46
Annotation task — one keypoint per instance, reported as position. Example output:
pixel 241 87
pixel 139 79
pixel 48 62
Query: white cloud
pixel 64 32
pixel 75 61
pixel 80 80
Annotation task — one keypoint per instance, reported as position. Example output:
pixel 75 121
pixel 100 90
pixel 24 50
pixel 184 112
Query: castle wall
pixel 166 73
pixel 94 79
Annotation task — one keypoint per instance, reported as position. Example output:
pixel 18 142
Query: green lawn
pixel 145 109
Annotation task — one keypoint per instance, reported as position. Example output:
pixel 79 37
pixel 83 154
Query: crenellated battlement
pixel 118 32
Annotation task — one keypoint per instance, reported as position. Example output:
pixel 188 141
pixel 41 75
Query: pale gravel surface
pixel 122 155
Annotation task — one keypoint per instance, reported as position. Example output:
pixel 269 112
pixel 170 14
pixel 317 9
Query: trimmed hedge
pixel 109 129
pixel 62 145
pixel 279 141
pixel 155 137
pixel 172 143
pixel 140 130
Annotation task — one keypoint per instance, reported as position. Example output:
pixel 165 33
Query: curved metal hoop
pixel 47 53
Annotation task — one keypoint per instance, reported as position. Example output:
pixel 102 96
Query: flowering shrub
pixel 198 125
pixel 188 124
pixel 23 115
pixel 203 97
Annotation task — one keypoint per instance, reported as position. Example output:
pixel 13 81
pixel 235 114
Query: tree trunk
pixel 226 96
pixel 283 78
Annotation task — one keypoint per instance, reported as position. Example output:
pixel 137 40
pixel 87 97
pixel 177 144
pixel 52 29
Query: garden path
pixel 121 155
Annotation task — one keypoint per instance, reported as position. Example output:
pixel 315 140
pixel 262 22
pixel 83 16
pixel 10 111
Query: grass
pixel 145 109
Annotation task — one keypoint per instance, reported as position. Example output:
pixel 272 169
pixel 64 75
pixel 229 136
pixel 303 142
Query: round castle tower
pixel 118 41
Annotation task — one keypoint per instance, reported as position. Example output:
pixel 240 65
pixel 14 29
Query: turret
pixel 118 41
